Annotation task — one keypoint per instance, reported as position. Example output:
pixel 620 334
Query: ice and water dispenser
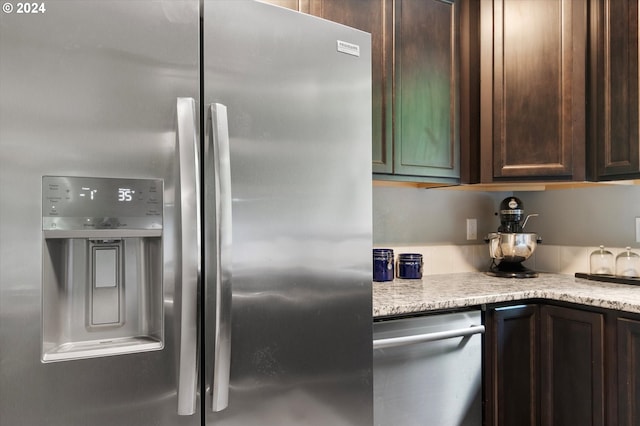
pixel 102 266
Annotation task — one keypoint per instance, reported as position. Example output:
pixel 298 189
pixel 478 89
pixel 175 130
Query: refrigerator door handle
pixel 188 200
pixel 219 241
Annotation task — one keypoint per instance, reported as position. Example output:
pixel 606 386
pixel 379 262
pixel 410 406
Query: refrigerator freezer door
pixel 88 88
pixel 188 190
pixel 297 91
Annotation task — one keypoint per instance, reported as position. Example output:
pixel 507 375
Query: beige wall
pixel 572 217
pixel 586 216
pixel 418 216
pixel 572 223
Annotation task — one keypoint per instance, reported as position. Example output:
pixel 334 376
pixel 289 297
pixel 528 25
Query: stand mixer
pixel 511 246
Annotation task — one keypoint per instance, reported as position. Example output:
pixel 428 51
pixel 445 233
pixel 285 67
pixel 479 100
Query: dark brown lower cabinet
pixel 572 366
pixel 628 370
pixel 511 366
pixel 552 365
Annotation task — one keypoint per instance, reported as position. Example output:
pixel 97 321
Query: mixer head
pixel 511 215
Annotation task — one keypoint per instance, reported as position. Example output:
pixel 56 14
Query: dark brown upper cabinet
pixel 372 16
pixel 613 129
pixel 416 54
pixel 533 64
pixel 426 137
pixel 415 77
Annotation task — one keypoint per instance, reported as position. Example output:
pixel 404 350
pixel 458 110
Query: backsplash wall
pixel 433 222
pixel 572 222
pixel 587 216
pixel 418 216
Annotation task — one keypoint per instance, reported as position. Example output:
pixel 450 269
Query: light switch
pixel 472 229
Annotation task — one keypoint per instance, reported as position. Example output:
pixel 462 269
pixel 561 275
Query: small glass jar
pixel 601 262
pixel 383 265
pixel 628 264
pixel 410 266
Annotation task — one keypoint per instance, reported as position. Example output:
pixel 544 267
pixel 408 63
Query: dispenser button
pixel 106 266
pixel 106 290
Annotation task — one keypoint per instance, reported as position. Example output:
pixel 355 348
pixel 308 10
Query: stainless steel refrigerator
pixel 185 215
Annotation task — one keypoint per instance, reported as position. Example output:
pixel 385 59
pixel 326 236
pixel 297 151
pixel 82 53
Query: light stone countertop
pixel 454 291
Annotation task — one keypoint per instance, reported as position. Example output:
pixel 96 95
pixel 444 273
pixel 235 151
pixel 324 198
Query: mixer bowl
pixel 512 247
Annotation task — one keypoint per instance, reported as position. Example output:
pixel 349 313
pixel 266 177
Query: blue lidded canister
pixel 410 266
pixel 383 267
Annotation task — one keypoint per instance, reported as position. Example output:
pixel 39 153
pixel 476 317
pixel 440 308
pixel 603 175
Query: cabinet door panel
pixel 531 84
pixel 426 88
pixel 533 88
pixel 616 114
pixel 628 372
pixel 512 370
pixel 572 363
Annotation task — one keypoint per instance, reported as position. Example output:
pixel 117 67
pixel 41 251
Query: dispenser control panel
pixel 89 203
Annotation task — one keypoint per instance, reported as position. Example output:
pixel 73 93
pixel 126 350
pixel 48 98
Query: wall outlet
pixel 637 229
pixel 472 229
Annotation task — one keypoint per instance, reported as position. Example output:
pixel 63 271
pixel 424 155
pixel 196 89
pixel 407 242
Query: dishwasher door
pixel 427 370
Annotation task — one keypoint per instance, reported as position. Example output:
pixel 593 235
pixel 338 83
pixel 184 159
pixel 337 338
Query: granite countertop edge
pixel 461 290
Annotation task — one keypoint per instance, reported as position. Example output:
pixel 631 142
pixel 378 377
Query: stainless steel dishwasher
pixel 427 370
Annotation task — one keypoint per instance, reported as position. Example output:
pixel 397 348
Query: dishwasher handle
pixel 429 337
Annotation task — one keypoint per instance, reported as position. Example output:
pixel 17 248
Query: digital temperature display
pixel 88 193
pixel 125 194
pixel 72 203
